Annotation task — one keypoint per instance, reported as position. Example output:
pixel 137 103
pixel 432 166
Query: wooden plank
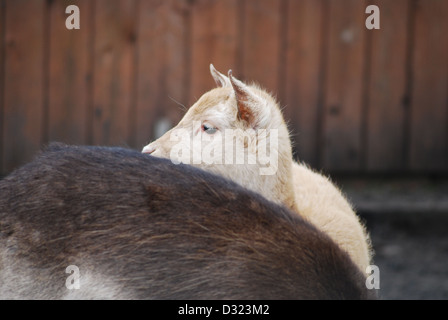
pixel 303 81
pixel 428 132
pixel 163 52
pixel 24 78
pixel 2 77
pixel 115 37
pixel 261 43
pixel 69 74
pixel 344 86
pixel 214 40
pixel 387 88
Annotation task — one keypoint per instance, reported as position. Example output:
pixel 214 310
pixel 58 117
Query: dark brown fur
pixel 149 229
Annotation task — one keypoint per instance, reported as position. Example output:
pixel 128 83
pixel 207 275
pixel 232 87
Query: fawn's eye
pixel 208 129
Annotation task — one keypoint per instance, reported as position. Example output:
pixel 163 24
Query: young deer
pixel 255 121
pixel 139 227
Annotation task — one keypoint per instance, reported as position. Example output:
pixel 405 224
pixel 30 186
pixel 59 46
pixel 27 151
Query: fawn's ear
pixel 252 109
pixel 220 79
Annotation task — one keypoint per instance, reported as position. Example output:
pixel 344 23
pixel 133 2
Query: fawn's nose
pixel 150 148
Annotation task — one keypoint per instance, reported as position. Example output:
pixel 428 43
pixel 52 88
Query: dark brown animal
pixel 139 227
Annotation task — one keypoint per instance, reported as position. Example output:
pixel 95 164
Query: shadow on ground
pixel 408 224
pixel 412 255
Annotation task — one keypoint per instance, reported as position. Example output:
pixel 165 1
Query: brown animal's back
pixel 141 227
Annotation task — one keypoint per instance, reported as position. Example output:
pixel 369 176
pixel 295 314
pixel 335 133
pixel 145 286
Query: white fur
pixel 320 202
pixel 308 193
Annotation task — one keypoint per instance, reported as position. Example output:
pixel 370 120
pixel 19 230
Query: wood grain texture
pixel 261 43
pixel 386 93
pixel 69 74
pixel 24 78
pixel 214 40
pixel 2 78
pixel 115 38
pixel 303 82
pixel 163 51
pixel 356 100
pixel 344 86
pixel 429 109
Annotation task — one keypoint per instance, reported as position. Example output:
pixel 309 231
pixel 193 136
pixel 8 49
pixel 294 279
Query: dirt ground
pixel 408 224
pixel 412 256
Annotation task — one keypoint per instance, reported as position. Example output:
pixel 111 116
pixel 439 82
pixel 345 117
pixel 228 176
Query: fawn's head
pixel 235 130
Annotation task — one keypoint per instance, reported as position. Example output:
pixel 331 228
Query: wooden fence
pixel 357 100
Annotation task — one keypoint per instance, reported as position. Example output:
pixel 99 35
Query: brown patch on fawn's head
pixel 246 111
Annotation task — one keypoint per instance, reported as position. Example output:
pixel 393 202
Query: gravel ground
pixel 408 224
